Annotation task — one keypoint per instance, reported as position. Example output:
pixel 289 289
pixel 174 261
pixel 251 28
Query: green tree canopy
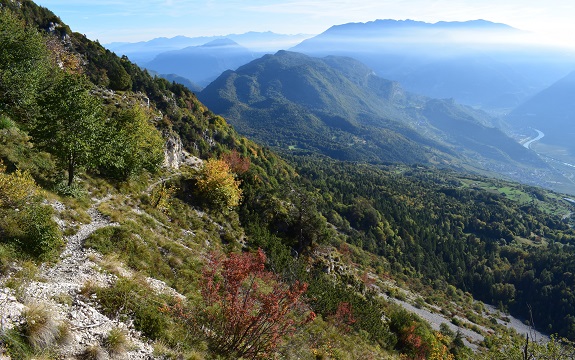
pixel 134 144
pixel 71 125
pixel 24 66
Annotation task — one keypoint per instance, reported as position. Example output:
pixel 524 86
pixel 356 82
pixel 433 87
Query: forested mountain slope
pixel 106 254
pixel 338 107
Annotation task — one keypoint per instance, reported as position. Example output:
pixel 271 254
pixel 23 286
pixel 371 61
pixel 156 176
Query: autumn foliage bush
pixel 25 222
pixel 343 317
pixel 245 310
pixel 217 184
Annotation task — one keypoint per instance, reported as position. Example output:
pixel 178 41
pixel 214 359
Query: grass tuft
pixel 117 343
pixel 65 336
pixel 40 327
pixel 94 352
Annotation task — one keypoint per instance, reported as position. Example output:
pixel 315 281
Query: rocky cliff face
pixel 174 153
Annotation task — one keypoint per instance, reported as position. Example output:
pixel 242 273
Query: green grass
pixel 167 244
pixel 547 201
pixel 134 299
pixel 117 343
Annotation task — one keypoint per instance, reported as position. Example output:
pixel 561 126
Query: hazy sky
pixel 121 20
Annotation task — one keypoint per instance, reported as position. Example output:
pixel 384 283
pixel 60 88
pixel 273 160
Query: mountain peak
pixel 221 43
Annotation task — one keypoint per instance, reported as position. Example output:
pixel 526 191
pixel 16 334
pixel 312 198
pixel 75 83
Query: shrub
pixel 18 152
pixel 217 184
pixel 415 337
pixel 245 310
pixel 74 190
pixel 41 236
pixel 24 220
pixel 343 317
pixel 6 122
pixel 130 298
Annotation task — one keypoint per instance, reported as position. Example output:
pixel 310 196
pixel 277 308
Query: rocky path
pixel 58 288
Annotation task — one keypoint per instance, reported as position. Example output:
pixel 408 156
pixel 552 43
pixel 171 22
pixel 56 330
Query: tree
pixel 134 144
pixel 71 126
pixel 119 77
pixel 237 163
pixel 304 220
pixel 24 66
pixel 245 310
pixel 218 185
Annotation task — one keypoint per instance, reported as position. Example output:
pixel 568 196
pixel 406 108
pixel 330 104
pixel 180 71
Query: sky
pixel 131 21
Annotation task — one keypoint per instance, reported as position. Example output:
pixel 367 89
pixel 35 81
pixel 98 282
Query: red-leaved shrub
pixel 246 309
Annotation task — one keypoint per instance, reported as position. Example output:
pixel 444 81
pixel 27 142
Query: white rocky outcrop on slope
pixel 175 155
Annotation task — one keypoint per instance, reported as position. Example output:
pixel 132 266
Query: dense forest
pixel 436 224
pixel 77 121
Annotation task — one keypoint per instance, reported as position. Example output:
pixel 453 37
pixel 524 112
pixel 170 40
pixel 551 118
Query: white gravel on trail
pixel 64 281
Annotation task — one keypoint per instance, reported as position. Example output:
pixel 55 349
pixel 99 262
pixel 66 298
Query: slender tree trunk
pixel 70 170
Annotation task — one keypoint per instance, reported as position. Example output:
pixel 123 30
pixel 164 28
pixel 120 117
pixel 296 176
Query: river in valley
pixel 540 136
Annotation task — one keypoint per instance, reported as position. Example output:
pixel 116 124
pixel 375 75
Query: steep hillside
pixel 227 251
pixel 479 63
pixel 338 107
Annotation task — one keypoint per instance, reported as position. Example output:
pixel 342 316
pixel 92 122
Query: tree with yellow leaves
pixel 25 222
pixel 16 188
pixel 218 185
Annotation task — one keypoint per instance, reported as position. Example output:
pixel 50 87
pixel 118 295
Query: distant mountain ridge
pixel 202 64
pixel 400 25
pixel 144 51
pixel 477 62
pixel 339 107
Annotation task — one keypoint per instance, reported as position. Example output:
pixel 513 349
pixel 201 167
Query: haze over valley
pixel 497 71
pixel 329 180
